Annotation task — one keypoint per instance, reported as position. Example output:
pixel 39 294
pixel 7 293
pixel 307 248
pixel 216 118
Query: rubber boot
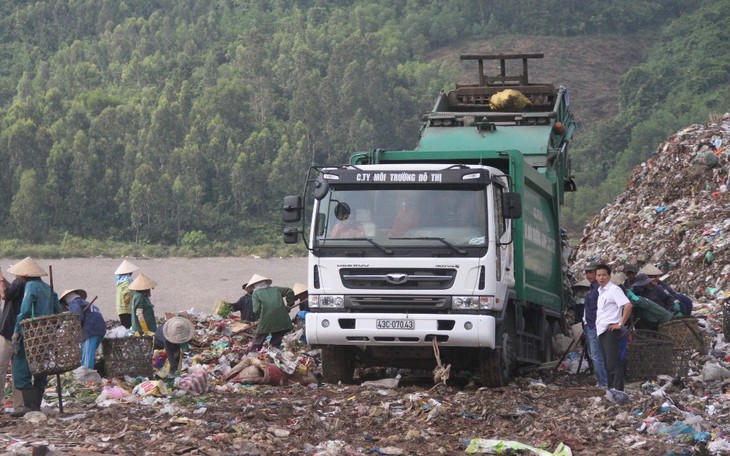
pixel 38 398
pixel 17 398
pixel 29 395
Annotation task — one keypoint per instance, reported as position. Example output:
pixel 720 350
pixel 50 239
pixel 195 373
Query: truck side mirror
pixel 321 187
pixel 291 235
pixel 292 208
pixel 511 205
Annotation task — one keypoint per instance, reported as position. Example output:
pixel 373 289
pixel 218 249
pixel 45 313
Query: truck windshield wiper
pixel 385 250
pixel 444 241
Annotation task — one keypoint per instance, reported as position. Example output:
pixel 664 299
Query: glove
pixel 630 294
pixel 677 308
pixel 142 321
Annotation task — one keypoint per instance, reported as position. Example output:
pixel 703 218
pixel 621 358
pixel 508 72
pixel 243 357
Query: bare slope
pixel 590 67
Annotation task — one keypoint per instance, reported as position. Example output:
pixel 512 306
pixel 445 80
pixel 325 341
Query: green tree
pixel 27 211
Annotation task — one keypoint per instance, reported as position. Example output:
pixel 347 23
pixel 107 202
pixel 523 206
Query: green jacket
pixel 268 305
pixel 124 298
pixel 140 301
pixel 38 300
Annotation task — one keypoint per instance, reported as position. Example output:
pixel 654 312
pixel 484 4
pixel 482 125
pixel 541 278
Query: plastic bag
pixel 112 392
pixel 151 388
pixel 505 446
pixel 509 99
pixel 195 383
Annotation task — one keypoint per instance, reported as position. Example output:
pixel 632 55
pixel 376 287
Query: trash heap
pixel 271 402
pixel 674 214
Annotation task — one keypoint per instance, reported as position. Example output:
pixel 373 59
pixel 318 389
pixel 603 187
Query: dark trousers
pixel 611 347
pixel 125 320
pixel 276 337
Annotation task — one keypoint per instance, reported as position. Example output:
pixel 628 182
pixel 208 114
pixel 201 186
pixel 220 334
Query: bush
pixel 194 239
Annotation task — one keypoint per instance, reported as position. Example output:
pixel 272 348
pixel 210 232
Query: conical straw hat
pixel 82 293
pixel 256 279
pixel 618 278
pixel 299 288
pixel 651 270
pixel 582 283
pixel 27 268
pixel 178 330
pixel 126 268
pixel 141 283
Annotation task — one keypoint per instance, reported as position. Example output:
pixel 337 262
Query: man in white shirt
pixel 614 311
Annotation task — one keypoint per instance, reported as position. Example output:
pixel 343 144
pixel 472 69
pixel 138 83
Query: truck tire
pixel 337 365
pixel 497 365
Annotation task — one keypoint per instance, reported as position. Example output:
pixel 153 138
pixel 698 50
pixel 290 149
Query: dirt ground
pixel 413 419
pixel 183 283
pixel 303 416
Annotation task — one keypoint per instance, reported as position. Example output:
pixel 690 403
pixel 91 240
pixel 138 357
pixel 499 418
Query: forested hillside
pixel 174 121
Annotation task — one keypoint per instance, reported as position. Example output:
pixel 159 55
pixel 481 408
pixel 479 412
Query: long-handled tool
pixel 58 375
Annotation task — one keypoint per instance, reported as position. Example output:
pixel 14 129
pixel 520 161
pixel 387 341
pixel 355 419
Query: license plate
pixel 396 324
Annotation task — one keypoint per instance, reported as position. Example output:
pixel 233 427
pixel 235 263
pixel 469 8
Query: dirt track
pixel 182 283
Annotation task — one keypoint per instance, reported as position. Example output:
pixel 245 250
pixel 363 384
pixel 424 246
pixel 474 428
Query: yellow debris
pixel 509 100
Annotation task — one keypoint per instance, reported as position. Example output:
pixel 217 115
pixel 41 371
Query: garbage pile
pixel 272 402
pixel 674 214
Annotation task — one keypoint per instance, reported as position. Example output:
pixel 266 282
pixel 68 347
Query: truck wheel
pixel 497 365
pixel 337 365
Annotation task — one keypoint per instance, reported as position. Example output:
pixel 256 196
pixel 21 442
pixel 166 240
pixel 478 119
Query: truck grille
pixel 398 279
pixel 397 303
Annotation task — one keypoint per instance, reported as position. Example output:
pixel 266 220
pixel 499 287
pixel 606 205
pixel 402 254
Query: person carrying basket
pixel 39 300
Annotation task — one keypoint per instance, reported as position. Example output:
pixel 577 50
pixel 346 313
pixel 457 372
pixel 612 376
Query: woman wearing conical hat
pixel 38 300
pixel 143 312
pixel 124 296
pixel 269 307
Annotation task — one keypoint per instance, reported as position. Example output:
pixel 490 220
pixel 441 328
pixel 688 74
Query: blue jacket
pixel 590 310
pixel 657 294
pixel 92 321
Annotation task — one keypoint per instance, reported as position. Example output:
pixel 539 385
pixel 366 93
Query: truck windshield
pixel 452 219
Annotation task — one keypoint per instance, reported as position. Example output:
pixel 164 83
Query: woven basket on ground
pixel 681 361
pixel 649 354
pixel 128 356
pixel 685 333
pixel 52 343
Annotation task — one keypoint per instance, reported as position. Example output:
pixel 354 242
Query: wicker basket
pixel 128 356
pixel 52 343
pixel 685 333
pixel 649 354
pixel 681 361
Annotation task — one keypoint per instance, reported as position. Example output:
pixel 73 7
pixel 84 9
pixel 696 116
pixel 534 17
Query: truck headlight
pixel 472 302
pixel 465 302
pixel 326 301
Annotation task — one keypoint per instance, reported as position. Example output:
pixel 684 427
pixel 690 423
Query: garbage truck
pixel 448 254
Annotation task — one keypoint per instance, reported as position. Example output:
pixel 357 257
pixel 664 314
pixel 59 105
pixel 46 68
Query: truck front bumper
pixel 339 328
